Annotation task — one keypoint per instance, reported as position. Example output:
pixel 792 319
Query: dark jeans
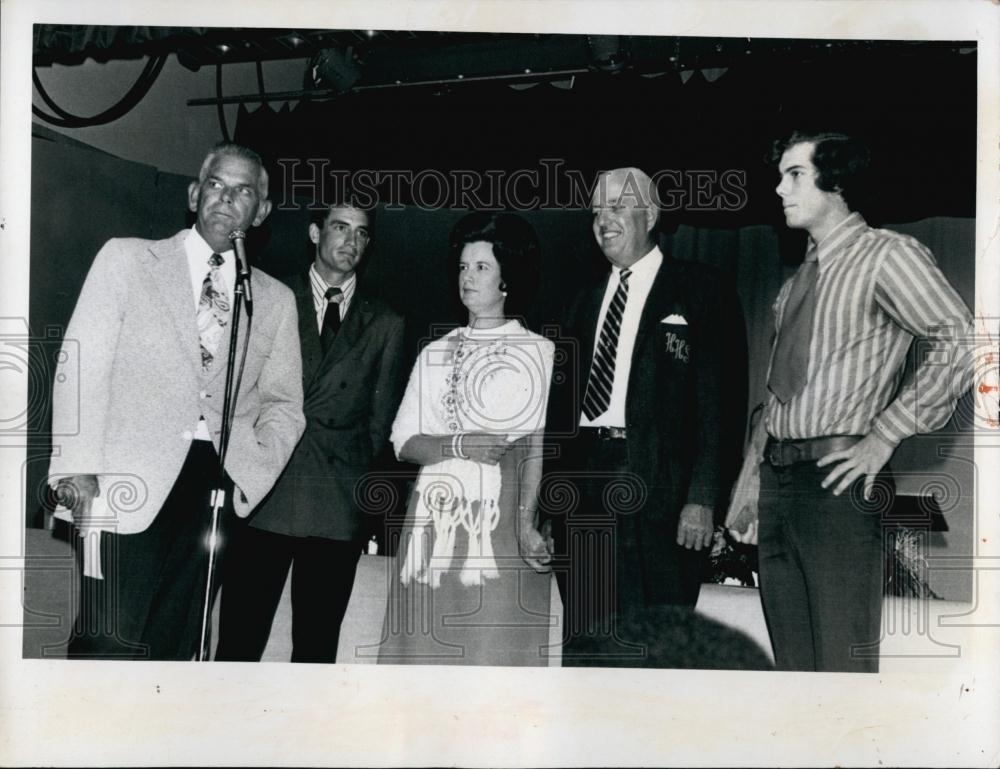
pixel 821 569
pixel 256 570
pixel 149 604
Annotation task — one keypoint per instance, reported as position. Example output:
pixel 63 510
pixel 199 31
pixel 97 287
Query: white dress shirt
pixel 198 254
pixel 639 284
pixel 320 302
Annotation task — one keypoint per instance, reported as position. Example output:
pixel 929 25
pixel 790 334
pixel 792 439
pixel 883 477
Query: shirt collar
pixel 319 287
pixel 841 237
pixel 197 247
pixel 346 287
pixel 319 284
pixel 645 268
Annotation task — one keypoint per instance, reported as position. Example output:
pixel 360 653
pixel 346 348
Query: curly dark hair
pixel 515 247
pixel 841 162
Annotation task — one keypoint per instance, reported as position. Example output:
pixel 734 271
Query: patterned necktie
pixel 331 317
pixel 602 372
pixel 213 311
pixel 790 362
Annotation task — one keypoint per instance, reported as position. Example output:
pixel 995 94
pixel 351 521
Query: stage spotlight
pixel 608 53
pixel 333 68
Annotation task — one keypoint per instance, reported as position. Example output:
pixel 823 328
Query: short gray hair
pixel 232 149
pixel 636 184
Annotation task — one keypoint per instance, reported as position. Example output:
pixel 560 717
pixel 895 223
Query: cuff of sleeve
pixel 884 430
pixel 241 506
pixel 703 496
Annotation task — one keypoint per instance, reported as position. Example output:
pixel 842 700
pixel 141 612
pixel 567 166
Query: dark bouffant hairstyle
pixel 515 247
pixel 841 162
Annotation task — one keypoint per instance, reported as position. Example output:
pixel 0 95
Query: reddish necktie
pixel 790 362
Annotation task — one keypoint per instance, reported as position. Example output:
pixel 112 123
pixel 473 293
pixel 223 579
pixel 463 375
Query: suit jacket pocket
pixel 346 446
pixel 675 343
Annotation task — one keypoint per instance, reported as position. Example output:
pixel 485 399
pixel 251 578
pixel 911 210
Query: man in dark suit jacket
pixel 641 401
pixel 351 368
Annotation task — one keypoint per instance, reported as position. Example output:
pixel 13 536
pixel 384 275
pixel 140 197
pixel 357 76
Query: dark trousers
pixel 604 564
pixel 149 604
pixel 821 569
pixel 322 579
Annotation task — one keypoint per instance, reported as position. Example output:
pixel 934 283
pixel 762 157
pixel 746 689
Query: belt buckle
pixel 778 451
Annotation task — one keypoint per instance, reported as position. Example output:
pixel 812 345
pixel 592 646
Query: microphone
pixel 242 268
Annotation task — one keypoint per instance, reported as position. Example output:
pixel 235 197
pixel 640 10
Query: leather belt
pixel 608 433
pixel 785 453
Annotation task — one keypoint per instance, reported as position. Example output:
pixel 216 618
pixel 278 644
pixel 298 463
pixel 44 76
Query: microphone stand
pixel 218 495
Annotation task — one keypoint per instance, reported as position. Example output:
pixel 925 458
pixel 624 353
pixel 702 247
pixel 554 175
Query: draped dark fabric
pixel 708 138
pixel 102 43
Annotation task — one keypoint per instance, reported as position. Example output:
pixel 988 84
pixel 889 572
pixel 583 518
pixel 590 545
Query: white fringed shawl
pixel 470 380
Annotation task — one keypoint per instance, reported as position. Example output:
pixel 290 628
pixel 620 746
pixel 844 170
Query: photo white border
pixel 108 713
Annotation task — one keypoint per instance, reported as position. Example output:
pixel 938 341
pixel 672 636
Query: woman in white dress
pixel 472 583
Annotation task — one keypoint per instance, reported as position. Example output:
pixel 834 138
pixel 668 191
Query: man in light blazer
pixel 352 352
pixel 142 413
pixel 641 403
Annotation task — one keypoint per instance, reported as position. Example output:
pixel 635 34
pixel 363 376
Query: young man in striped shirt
pixel 837 407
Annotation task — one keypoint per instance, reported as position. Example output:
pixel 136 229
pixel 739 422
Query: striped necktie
pixel 790 361
pixel 602 372
pixel 213 311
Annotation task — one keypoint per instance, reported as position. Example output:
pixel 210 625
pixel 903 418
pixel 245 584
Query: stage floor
pixel 913 630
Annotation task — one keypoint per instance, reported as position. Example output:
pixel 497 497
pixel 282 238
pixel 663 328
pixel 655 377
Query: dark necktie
pixel 602 373
pixel 790 363
pixel 213 311
pixel 331 317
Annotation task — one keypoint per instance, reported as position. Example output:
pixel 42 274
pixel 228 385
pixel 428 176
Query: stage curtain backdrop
pixel 81 197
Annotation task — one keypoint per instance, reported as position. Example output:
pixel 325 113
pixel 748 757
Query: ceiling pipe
pixel 326 93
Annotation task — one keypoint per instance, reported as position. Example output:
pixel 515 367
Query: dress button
pixel 203 394
pixel 186 435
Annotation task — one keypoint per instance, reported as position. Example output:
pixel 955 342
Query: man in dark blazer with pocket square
pixel 640 418
pixel 352 358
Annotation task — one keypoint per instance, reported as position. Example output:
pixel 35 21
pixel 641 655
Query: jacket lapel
pixel 312 353
pixel 172 278
pixel 590 312
pixel 359 314
pixel 661 298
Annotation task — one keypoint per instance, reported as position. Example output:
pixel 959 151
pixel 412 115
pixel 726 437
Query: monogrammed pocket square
pixel 675 319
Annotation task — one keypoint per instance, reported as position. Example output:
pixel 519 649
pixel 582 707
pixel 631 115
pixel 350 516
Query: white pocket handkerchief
pixel 675 319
